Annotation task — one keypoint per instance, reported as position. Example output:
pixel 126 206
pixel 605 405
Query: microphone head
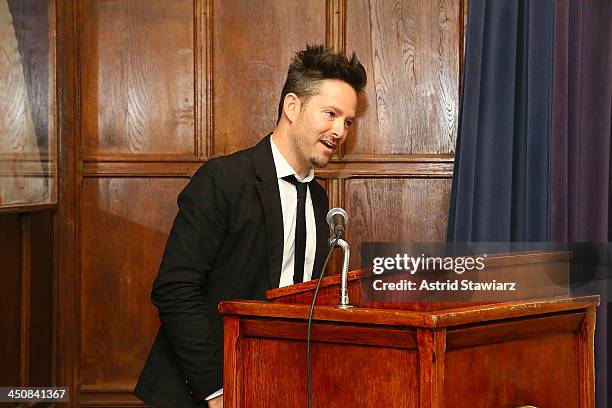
pixel 334 214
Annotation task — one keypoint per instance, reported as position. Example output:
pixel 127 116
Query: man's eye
pixel 348 123
pixel 330 114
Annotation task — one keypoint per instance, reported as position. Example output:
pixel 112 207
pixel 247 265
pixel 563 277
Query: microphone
pixel 337 218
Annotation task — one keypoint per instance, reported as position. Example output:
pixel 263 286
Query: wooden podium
pixel 462 353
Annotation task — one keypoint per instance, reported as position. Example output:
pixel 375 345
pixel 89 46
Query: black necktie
pixel 300 229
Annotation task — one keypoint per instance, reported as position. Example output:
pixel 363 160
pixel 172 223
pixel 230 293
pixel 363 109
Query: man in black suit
pixel 241 229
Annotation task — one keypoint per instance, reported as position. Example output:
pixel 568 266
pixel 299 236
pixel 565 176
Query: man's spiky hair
pixel 310 67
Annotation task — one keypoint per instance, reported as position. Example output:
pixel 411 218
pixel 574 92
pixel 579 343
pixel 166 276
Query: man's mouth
pixel 330 145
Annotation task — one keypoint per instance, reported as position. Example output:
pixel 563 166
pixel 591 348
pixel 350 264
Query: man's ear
pixel 291 106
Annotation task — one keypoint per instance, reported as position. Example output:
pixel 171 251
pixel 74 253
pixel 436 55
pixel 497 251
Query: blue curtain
pixel 534 150
pixel 500 187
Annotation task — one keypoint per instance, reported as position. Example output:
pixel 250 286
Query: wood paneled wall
pixel 26 299
pixel 26 194
pixel 150 89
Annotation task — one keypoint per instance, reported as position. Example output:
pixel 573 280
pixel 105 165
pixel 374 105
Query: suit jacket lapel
pixel 320 206
pixel 269 195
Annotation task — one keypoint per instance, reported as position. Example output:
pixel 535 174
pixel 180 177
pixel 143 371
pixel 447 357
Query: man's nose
pixel 339 128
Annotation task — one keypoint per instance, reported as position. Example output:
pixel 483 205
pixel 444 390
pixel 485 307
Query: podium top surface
pixel 437 318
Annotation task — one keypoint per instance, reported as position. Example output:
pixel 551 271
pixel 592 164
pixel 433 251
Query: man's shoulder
pixel 237 163
pixel 227 173
pixel 224 166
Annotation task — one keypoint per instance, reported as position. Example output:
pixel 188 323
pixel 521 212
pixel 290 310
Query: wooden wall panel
pixel 253 41
pixel 41 308
pixel 66 290
pixel 359 40
pixel 396 210
pixel 31 21
pixel 125 223
pixel 411 50
pixel 27 130
pixel 10 299
pixel 26 291
pixel 137 77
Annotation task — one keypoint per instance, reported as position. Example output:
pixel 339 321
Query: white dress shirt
pixel 288 196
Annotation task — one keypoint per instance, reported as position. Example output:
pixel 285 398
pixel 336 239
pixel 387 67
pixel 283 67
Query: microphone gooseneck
pixel 336 219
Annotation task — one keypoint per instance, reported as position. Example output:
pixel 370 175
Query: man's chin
pixel 318 162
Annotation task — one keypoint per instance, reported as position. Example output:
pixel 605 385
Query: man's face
pixel 323 123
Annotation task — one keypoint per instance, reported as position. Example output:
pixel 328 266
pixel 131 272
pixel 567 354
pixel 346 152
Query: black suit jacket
pixel 226 243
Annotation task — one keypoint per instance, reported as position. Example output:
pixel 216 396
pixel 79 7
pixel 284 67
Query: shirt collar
pixel 283 168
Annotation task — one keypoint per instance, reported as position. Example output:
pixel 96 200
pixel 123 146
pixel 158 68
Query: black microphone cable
pixel 332 244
